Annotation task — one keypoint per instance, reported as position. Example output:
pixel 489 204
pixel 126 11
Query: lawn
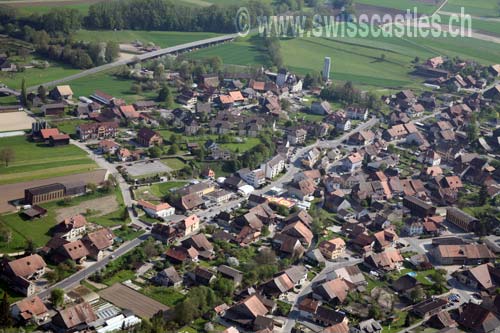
pixel 160 38
pixel 165 295
pixel 174 163
pixel 162 189
pixel 421 275
pixel 108 83
pixel 38 161
pixel 22 230
pixel 9 100
pixel 109 220
pixel 69 126
pixel 241 147
pixel 128 233
pixel 120 277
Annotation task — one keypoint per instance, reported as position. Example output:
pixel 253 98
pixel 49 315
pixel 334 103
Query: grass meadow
pixel 37 161
pixel 160 38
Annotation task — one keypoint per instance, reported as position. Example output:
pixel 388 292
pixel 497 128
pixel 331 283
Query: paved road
pixel 76 278
pixel 142 57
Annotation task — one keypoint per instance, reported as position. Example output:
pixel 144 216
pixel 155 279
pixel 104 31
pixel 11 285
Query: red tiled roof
pixel 48 132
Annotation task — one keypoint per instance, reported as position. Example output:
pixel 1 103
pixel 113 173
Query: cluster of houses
pixel 400 179
pixel 72 239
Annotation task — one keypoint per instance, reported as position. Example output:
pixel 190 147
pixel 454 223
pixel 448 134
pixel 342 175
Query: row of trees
pixel 272 45
pixel 166 15
pixel 348 94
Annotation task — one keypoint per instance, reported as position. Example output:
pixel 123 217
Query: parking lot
pixel 146 168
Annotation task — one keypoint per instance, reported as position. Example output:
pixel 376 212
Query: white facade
pixel 256 177
pixel 327 68
pixel 273 167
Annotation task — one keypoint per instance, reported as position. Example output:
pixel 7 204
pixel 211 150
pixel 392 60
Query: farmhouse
pixel 71 228
pixel 60 93
pixel 102 97
pixel 30 310
pixel 53 109
pixel 147 137
pixel 21 273
pixel 484 277
pixel 98 241
pixel 54 137
pixel 75 318
pixel 75 251
pixel 99 131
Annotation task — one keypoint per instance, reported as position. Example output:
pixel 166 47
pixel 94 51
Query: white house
pixel 413 228
pixel 353 162
pixel 256 177
pixel 357 113
pixel 431 157
pixel 274 166
pixel 72 228
pixel 161 210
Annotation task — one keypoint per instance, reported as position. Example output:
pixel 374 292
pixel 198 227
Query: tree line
pixel 51 37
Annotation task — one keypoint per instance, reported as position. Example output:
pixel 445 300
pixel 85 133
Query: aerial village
pixel 267 203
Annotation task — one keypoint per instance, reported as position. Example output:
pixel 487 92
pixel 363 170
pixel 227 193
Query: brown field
pixel 15 191
pixel 103 206
pixel 15 121
pixel 127 298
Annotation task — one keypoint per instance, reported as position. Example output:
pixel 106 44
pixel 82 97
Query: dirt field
pixel 126 298
pixel 14 121
pixel 12 192
pixel 103 206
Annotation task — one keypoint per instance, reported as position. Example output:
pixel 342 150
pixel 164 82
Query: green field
pixel 243 51
pixel 480 25
pixel 36 76
pixel 165 295
pixel 486 8
pixel 22 230
pixel 173 163
pixel 162 189
pixel 424 8
pixel 108 83
pixel 360 59
pixel 8 100
pixel 37 161
pixel 68 126
pixel 160 38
